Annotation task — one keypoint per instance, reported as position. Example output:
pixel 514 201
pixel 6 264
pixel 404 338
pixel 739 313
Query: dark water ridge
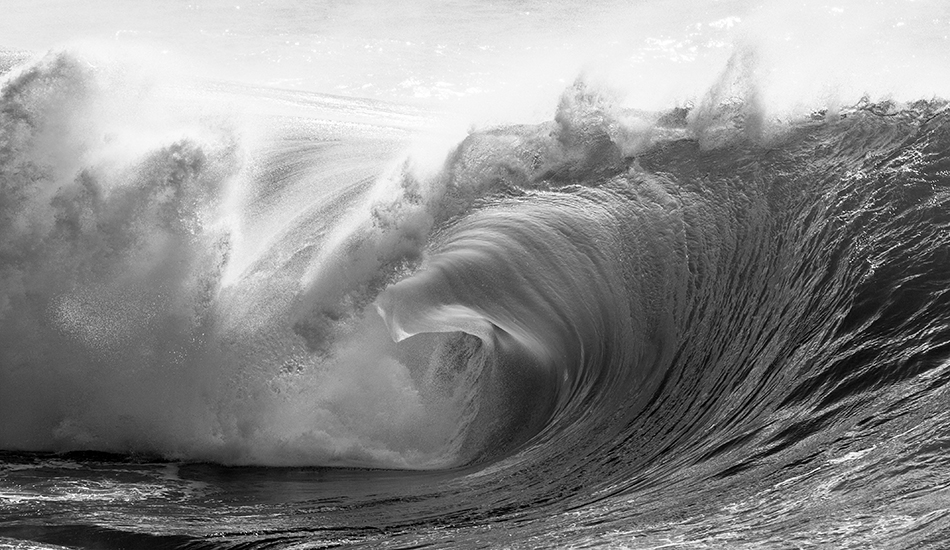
pixel 724 331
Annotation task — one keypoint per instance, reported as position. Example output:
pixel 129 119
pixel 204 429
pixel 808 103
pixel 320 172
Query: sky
pixel 516 57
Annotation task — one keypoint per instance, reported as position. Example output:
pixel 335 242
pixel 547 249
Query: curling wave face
pixel 611 309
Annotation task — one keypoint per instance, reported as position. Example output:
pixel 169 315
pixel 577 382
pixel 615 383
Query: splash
pixel 119 332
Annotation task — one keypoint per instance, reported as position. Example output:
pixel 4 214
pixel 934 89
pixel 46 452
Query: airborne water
pixel 309 275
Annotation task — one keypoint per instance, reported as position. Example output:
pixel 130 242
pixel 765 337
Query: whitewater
pixel 452 275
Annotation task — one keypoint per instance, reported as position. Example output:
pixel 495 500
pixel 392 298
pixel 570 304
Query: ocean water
pixel 459 275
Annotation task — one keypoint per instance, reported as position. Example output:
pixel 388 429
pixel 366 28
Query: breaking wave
pixel 627 291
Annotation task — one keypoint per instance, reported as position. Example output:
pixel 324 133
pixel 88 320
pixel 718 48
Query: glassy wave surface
pixel 237 316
